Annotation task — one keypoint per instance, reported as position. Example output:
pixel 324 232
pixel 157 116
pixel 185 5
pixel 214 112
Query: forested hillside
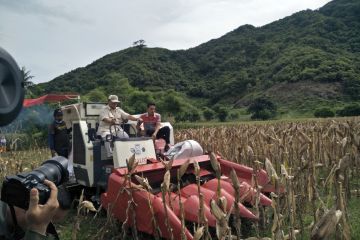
pixel 305 61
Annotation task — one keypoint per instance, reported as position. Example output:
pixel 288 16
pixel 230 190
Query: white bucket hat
pixel 113 98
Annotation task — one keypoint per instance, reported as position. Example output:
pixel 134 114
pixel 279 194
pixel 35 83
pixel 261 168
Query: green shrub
pixel 234 115
pixel 324 112
pixel 96 95
pixel 222 114
pixel 350 110
pixel 190 114
pixel 262 108
pixel 208 114
pixel 262 115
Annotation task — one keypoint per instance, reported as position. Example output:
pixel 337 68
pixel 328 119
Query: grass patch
pixel 89 226
pixel 354 216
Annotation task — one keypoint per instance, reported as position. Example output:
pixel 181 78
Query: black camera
pixel 16 189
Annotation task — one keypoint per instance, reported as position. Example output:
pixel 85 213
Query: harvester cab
pixel 91 163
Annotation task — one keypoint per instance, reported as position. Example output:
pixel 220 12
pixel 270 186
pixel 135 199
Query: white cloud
pixel 51 38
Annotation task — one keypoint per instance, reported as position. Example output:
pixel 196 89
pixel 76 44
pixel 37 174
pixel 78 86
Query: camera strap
pixel 17 232
pixel 13 216
pixel 52 231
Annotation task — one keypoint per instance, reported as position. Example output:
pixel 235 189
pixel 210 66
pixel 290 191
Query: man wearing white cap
pixel 112 115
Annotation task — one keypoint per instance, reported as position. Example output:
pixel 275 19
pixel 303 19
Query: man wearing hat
pixel 112 115
pixel 59 136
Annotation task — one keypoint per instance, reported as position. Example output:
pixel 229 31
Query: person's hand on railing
pixel 140 121
pixel 139 128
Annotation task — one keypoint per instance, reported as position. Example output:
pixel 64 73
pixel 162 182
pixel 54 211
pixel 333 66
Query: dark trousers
pixel 62 152
pixel 163 133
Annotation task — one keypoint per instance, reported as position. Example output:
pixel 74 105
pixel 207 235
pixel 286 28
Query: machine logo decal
pixel 137 149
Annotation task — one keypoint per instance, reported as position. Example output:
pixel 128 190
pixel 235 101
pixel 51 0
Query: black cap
pixel 58 112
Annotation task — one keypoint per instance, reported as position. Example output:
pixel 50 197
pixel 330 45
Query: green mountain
pixel 300 62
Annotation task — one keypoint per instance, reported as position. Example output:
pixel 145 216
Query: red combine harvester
pixel 117 200
pixel 118 181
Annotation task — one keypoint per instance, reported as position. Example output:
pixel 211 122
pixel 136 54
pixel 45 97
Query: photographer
pixel 36 222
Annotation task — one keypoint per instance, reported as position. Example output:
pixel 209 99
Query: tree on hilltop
pixel 139 44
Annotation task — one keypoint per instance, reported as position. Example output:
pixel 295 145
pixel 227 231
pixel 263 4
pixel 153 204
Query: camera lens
pixel 16 189
pixel 54 170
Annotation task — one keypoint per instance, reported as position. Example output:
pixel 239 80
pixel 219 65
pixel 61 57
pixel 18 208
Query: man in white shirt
pixel 110 116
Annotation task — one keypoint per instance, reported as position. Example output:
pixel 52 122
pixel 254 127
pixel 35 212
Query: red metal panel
pixel 209 195
pixel 243 172
pixel 245 189
pixel 116 201
pixel 173 220
pixel 191 208
pixel 159 166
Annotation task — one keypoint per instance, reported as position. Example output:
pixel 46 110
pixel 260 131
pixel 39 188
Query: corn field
pixel 13 162
pixel 317 162
pixel 314 166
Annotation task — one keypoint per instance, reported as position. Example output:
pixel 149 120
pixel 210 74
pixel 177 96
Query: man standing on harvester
pixel 59 136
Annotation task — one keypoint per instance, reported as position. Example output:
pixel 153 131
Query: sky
pixel 51 38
